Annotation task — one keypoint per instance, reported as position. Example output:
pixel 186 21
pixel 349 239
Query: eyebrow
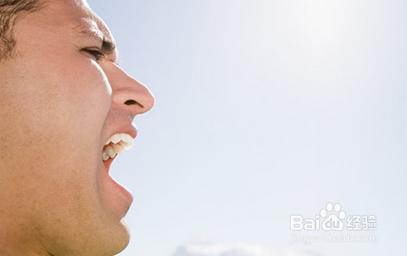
pixel 108 46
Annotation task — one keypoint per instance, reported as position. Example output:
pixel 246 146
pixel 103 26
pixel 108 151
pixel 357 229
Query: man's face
pixel 59 105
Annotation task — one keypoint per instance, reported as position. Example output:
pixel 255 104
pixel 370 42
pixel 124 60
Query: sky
pixel 265 109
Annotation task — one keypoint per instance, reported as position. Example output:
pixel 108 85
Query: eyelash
pixel 96 53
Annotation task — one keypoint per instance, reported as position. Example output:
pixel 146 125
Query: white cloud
pixel 213 249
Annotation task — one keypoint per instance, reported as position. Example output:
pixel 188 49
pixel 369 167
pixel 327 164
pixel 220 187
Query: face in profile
pixel 63 96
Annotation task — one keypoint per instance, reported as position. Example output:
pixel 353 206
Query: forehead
pixel 77 16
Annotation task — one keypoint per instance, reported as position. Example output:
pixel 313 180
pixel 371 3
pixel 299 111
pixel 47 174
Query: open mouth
pixel 116 144
pixel 112 148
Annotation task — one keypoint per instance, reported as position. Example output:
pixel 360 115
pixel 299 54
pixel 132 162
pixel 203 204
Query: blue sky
pixel 265 109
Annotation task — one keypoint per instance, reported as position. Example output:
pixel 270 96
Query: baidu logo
pixel 333 218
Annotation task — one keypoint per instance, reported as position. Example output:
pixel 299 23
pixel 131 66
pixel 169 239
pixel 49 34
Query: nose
pixel 128 93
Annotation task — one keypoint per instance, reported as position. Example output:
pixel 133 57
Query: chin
pixel 121 239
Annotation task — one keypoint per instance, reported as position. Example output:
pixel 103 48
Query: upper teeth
pixel 116 144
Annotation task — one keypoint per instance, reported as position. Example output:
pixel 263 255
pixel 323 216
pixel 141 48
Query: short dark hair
pixel 9 9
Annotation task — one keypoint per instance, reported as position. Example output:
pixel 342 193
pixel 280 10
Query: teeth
pixel 110 151
pixel 128 141
pixel 116 138
pixel 116 144
pixel 118 147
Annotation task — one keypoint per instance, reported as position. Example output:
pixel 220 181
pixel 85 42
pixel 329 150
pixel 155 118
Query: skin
pixel 58 105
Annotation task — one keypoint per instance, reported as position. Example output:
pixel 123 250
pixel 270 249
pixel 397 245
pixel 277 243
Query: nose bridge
pixel 129 93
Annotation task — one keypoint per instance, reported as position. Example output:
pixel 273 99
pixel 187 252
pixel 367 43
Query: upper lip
pixel 128 129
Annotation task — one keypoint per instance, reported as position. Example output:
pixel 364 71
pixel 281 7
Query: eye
pixel 97 54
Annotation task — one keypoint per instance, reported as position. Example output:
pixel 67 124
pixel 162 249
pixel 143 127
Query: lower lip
pixel 123 195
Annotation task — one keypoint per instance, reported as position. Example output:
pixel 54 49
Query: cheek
pixel 58 108
pixel 55 112
pixel 67 92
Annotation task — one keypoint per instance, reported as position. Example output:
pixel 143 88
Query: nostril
pixel 133 102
